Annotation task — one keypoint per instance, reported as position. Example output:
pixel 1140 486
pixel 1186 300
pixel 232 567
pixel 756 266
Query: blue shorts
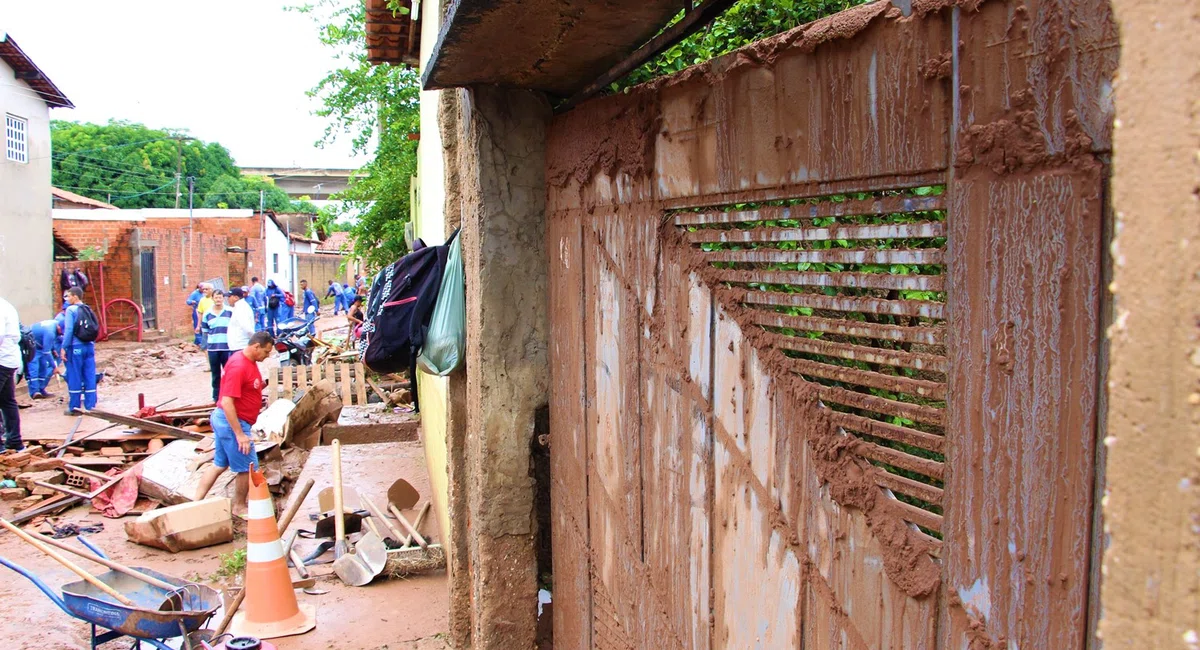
pixel 226 449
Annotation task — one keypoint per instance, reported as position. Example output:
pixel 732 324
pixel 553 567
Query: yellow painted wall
pixel 430 225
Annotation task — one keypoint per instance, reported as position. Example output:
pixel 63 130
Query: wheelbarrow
pixel 144 623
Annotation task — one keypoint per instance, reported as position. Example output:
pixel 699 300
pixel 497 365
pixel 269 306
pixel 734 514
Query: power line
pixel 131 166
pixel 122 172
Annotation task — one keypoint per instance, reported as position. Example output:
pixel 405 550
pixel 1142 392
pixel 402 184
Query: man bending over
pixel 237 409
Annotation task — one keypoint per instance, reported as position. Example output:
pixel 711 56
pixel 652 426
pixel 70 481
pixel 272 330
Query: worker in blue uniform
pixel 274 305
pixel 47 354
pixel 80 357
pixel 312 307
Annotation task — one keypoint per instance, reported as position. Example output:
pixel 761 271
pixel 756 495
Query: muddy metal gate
pixel 826 330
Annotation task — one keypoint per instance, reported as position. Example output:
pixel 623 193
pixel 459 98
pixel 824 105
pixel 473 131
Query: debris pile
pixel 148 363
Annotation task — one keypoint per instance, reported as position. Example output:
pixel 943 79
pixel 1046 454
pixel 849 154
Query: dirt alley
pixel 393 615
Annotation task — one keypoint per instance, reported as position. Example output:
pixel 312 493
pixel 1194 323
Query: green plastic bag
pixel 446 341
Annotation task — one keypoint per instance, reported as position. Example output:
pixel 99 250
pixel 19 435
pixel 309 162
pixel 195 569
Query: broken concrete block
pixel 27 479
pixel 185 526
pixel 28 502
pixel 43 491
pixel 36 450
pixel 19 459
pixel 13 494
pixel 45 465
pixel 112 451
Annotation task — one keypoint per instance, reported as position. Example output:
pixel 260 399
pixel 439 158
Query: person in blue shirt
pixel 193 300
pixel 257 298
pixel 335 290
pixel 81 358
pixel 312 307
pixel 45 358
pixel 274 295
pixel 349 293
pixel 216 335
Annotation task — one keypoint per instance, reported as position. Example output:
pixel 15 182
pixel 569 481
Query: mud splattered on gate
pixel 851 401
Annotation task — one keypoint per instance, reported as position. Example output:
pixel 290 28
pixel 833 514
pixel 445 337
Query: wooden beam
pixel 146 425
pixel 692 21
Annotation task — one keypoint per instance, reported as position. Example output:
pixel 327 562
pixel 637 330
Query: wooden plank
pixel 847 327
pixel 924 466
pixel 880 206
pixel 887 431
pixel 848 280
pixel 568 432
pixel 829 256
pixel 346 388
pixel 360 383
pixel 146 425
pixel 866 354
pixel 288 380
pixel 874 403
pixel 904 485
pixel 273 385
pixel 52 504
pixel 918 308
pixel 913 514
pixel 919 387
pixel 926 229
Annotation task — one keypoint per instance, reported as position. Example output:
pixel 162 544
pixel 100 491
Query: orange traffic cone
pixel 271 609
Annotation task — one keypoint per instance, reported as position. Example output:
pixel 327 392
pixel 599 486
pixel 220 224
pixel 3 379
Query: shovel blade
pixel 373 551
pixel 353 570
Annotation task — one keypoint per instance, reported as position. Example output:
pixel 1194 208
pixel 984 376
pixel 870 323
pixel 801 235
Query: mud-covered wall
pixel 701 495
pixel 1152 502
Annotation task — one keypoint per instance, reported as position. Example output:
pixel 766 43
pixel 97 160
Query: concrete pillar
pixel 503 195
pixel 1151 570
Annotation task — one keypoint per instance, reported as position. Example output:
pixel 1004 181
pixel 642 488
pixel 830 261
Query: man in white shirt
pixel 241 326
pixel 10 362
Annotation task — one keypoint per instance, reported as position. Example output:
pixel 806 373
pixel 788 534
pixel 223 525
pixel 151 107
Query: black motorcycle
pixel 293 343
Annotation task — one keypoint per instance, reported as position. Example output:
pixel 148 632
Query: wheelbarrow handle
pixel 50 593
pixel 93 580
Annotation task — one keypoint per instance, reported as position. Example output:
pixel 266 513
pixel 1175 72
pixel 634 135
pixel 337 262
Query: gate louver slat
pixel 852 290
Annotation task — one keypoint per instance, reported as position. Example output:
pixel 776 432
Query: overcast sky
pixel 231 71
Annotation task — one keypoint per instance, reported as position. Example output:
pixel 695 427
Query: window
pixel 275 261
pixel 15 144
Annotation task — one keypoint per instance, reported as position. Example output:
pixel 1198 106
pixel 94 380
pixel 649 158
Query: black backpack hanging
pixel 87 327
pixel 400 306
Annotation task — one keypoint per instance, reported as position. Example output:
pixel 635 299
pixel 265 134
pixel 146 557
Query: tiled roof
pixel 336 242
pixel 80 199
pixel 28 72
pixel 393 37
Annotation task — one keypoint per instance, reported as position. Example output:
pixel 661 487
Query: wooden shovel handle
pixel 409 527
pixel 376 513
pixel 146 578
pixel 93 580
pixel 339 521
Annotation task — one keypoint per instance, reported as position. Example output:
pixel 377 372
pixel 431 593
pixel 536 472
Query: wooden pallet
pixel 349 379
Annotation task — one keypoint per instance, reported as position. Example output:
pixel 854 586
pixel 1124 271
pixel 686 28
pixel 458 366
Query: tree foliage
pixel 377 107
pixel 745 22
pixel 133 166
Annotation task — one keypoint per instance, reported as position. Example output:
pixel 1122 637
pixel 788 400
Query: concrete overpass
pixel 317 184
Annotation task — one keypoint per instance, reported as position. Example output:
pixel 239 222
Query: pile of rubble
pixel 148 363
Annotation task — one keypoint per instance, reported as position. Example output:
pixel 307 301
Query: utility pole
pixel 179 165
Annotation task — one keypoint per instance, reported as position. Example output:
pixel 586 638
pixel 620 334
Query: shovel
pixel 348 565
pixel 403 495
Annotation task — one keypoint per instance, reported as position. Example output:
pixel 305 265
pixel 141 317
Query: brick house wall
pixel 180 262
pixel 319 269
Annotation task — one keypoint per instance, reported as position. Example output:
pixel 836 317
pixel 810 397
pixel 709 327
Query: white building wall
pixel 278 248
pixel 26 233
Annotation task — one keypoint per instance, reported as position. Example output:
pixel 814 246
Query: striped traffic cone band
pixel 270 609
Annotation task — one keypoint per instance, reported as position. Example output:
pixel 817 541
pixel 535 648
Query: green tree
pixel 132 165
pixel 745 22
pixel 377 108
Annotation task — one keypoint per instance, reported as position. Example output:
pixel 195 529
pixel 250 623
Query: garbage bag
pixel 446 340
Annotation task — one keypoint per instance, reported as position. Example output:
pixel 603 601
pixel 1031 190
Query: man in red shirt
pixel 237 408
